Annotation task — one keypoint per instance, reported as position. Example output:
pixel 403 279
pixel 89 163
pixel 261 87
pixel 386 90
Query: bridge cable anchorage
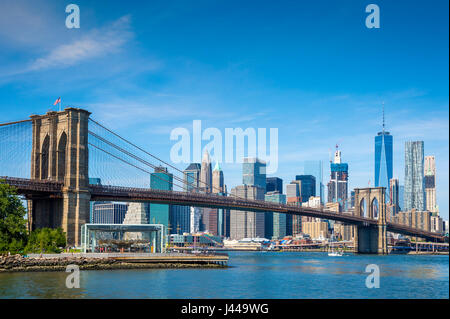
pixel 162 161
pixel 139 168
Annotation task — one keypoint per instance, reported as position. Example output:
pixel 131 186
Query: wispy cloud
pixel 95 44
pixel 424 129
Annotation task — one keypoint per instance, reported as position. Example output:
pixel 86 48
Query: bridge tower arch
pixel 368 238
pixel 60 153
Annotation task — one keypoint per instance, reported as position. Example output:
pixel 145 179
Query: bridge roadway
pixel 45 189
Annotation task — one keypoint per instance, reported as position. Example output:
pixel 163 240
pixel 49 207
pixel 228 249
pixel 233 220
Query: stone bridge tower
pixel 60 153
pixel 370 203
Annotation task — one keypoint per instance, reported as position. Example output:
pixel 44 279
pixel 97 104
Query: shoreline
pixel 18 263
pixel 117 266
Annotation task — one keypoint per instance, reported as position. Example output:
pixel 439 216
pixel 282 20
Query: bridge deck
pixel 30 187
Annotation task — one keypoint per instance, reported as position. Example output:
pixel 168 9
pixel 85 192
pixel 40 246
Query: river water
pixel 251 275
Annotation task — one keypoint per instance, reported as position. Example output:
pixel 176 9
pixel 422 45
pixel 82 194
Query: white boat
pixel 335 254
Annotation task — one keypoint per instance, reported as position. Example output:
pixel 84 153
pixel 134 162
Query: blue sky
pixel 309 68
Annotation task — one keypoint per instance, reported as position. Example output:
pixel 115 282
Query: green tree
pixel 48 240
pixel 13 230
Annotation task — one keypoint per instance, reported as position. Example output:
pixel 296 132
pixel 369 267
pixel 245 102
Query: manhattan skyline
pixel 314 72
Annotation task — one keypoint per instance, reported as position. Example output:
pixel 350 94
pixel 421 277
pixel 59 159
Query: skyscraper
pixel 209 217
pixel 338 185
pixel 293 192
pixel 192 184
pixel 180 221
pixel 93 181
pixel 394 196
pixel 209 220
pixel 401 197
pixel 206 173
pixel 307 186
pixel 274 184
pixel 254 172
pixel 247 224
pixel 192 177
pixel 414 176
pixel 218 187
pixel 109 213
pixel 275 222
pixel 315 168
pixel 430 184
pixel 383 159
pixel 352 199
pixel 293 222
pixel 195 216
pixel 159 213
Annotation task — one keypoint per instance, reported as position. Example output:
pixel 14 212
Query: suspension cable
pixel 139 168
pixel 133 156
pixel 157 158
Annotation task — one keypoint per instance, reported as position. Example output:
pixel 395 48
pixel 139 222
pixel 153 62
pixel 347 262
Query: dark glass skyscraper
pixel 274 184
pixel 159 213
pixel 307 186
pixel 254 172
pixel 383 159
pixel 179 218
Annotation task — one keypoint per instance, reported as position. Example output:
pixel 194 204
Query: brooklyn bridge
pixel 49 159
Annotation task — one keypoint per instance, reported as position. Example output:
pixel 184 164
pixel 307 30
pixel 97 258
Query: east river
pixel 251 275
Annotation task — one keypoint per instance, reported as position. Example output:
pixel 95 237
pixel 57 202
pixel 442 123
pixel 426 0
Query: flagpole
pixel 60 104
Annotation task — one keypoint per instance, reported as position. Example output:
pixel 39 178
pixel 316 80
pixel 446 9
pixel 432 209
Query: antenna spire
pixel 383 117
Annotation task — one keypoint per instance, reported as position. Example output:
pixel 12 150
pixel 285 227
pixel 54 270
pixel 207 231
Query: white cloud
pixel 95 44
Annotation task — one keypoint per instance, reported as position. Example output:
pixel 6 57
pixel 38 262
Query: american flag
pixel 58 100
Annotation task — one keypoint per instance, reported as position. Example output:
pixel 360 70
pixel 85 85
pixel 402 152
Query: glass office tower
pixel 315 168
pixel 307 186
pixel 383 160
pixel 159 213
pixel 254 172
pixel 414 195
pixel 274 184
pixel 192 177
pixel 275 224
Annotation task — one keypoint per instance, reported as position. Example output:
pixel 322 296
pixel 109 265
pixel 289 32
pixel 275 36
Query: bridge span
pixel 59 149
pixel 33 189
